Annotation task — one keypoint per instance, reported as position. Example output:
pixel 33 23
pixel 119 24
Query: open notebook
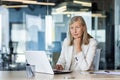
pixel 41 62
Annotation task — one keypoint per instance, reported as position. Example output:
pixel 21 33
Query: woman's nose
pixel 75 30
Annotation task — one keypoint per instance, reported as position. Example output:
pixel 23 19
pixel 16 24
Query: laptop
pixel 41 62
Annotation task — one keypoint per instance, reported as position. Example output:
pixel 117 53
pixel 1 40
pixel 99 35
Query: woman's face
pixel 76 29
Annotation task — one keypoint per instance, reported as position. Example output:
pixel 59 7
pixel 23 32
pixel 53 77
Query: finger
pixel 57 67
pixel 61 68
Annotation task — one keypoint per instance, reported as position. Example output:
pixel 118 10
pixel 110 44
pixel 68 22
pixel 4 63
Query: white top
pixel 81 61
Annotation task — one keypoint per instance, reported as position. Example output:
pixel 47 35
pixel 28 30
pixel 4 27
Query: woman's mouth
pixel 75 34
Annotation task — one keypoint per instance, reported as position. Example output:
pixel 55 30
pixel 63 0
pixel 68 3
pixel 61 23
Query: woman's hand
pixel 59 67
pixel 77 45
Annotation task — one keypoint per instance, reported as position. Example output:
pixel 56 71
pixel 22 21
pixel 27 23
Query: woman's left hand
pixel 77 45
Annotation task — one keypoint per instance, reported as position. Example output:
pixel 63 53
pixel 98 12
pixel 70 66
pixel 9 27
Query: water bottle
pixel 30 70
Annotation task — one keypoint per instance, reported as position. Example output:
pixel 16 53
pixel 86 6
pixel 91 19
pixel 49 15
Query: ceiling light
pixel 67 6
pixel 69 12
pixel 61 9
pixel 14 6
pixel 31 2
pixel 98 15
pixel 84 10
pixel 88 4
pixel 13 0
pixel 39 3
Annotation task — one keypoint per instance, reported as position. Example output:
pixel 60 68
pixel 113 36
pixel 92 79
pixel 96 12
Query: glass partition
pixel 35 32
pixel 117 34
pixel 0 30
pixel 99 33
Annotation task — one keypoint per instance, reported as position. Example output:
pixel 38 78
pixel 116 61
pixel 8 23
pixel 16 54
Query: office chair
pixel 97 60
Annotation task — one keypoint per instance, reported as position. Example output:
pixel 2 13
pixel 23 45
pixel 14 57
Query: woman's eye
pixel 71 27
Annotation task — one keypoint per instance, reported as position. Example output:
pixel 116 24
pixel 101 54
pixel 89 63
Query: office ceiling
pixel 97 5
pixel 69 3
pixel 104 4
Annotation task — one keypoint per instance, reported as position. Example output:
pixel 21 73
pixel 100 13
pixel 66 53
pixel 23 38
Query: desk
pixel 21 75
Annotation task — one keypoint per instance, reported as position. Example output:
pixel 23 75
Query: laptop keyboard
pixel 61 71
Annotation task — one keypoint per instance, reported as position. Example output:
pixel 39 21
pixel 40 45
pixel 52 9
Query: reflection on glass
pixel 18 29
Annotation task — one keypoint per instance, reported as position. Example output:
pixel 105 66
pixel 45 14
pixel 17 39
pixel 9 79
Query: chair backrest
pixel 97 59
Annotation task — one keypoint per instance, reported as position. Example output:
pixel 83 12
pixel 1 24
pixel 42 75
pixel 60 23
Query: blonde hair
pixel 86 36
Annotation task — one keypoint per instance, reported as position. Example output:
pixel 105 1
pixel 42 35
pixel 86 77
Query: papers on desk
pixel 107 72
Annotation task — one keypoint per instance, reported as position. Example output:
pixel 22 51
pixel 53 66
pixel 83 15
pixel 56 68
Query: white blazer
pixel 83 60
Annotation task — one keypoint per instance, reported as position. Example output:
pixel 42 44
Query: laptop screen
pixel 40 60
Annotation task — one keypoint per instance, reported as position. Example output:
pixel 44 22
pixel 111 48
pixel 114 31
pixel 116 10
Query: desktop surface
pixel 21 75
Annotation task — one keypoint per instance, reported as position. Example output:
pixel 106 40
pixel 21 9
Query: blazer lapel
pixel 85 49
pixel 70 52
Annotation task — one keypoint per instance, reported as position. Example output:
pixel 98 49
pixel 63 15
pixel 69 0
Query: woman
pixel 78 48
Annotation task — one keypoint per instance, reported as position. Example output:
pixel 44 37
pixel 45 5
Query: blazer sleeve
pixel 61 59
pixel 84 62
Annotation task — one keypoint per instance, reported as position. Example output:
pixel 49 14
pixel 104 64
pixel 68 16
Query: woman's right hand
pixel 59 67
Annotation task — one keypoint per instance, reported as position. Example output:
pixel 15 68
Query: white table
pixel 21 75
